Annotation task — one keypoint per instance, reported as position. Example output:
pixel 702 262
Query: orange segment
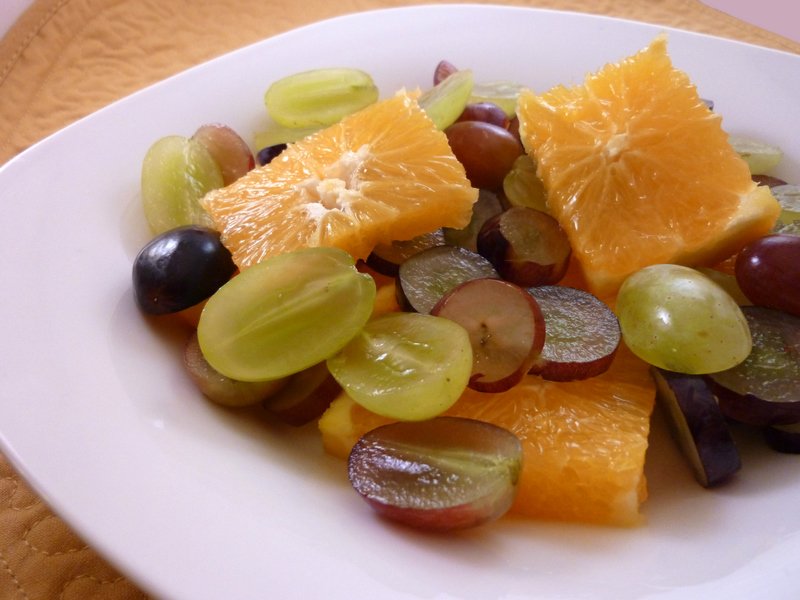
pixel 384 173
pixel 584 442
pixel 638 171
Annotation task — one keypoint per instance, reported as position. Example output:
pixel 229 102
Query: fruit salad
pixel 477 291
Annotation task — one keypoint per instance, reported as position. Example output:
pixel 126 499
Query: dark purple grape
pixel 387 258
pixel 768 272
pixel 487 151
pixel 486 206
pixel 265 155
pixel 699 426
pixel 179 269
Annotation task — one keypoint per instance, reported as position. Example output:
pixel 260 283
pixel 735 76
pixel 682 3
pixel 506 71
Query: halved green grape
pixel 319 97
pixel 523 187
pixel 176 173
pixel 405 366
pixel 285 314
pixel 760 157
pixel 677 319
pixel 502 93
pixel 445 101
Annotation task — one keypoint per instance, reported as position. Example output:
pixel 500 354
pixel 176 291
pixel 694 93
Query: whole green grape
pixel 676 318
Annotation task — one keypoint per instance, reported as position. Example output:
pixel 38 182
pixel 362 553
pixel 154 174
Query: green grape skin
pixel 285 314
pixel 760 157
pixel 405 366
pixel 502 93
pixel 677 319
pixel 176 173
pixel 319 97
pixel 445 101
pixel 522 187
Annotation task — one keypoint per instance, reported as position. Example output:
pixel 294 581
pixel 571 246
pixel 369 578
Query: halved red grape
pixel 765 388
pixel 526 246
pixel 228 149
pixel 582 334
pixel 506 330
pixel 442 474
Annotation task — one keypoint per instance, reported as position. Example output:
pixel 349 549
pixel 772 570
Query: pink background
pixel 779 16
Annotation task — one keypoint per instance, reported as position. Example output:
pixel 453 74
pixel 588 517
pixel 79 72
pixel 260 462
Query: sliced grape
pixel 427 276
pixel 444 474
pixel 487 112
pixel 444 102
pixel 180 268
pixel 526 246
pixel 405 365
pixel 676 318
pixel 387 258
pixel 765 388
pixel 304 397
pixel 502 93
pixel 228 149
pixel 223 390
pixel 506 330
pixel 285 314
pixel 522 186
pixel 176 173
pixel 319 97
pixel 581 334
pixel 487 151
pixel 486 206
pixel 443 70
pixel 760 157
pixel 768 272
pixel 699 426
pixel 788 195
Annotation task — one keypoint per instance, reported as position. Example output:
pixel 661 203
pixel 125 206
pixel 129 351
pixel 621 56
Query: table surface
pixel 58 45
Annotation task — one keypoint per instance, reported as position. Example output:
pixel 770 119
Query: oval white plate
pixel 197 503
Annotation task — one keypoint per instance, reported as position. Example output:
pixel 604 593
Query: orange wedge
pixel 639 171
pixel 382 174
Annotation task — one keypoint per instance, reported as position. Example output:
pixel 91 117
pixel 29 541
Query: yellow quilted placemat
pixel 65 59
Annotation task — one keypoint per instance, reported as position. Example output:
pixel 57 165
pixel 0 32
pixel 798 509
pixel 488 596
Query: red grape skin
pixel 768 272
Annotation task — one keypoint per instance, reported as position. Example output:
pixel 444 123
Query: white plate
pixel 197 503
